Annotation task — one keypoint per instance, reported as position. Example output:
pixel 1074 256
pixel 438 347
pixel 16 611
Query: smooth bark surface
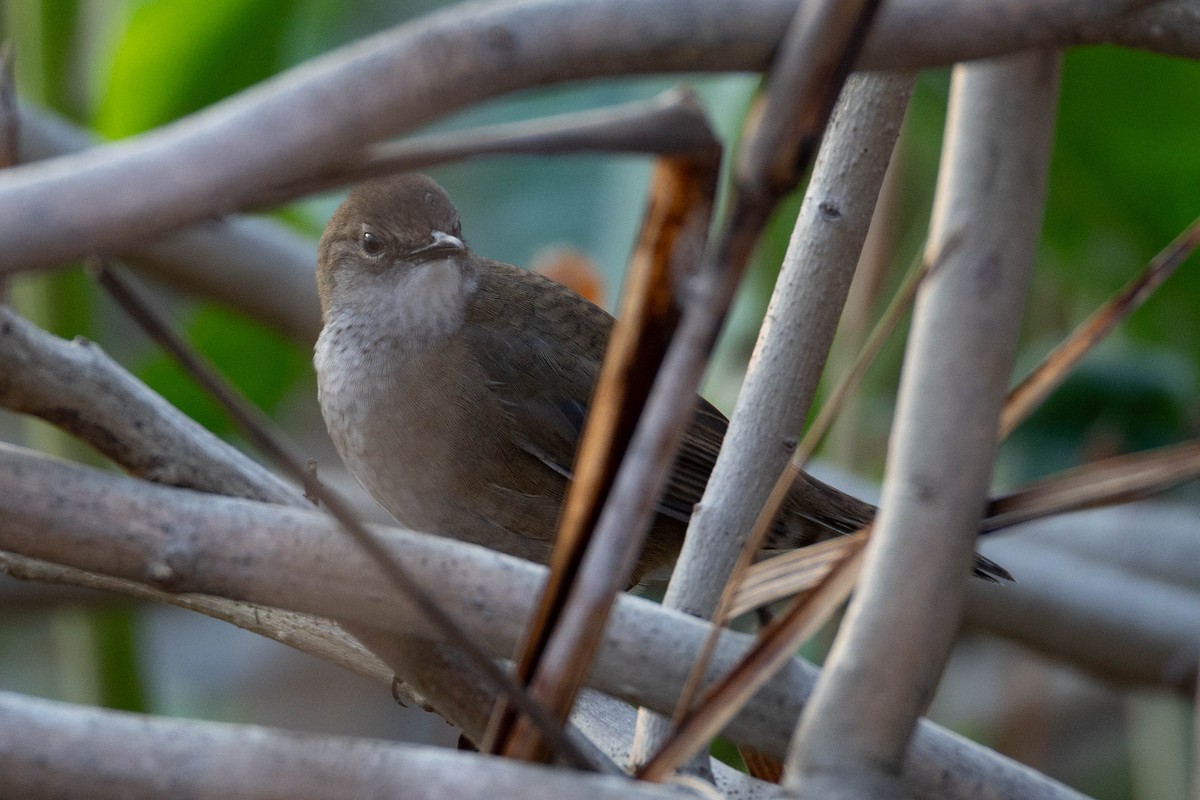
pixel 189 541
pixel 99 754
pixel 902 621
pixel 792 346
pixel 299 123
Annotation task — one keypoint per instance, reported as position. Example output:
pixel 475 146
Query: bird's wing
pixel 541 381
pixel 545 385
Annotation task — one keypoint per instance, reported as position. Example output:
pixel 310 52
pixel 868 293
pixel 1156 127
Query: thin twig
pixel 1120 479
pixel 786 575
pixel 1053 370
pixel 674 227
pixel 254 425
pixel 771 650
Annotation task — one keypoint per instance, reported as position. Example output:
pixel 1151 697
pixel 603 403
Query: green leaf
pixel 177 56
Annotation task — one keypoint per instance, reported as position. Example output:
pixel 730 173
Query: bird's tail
pixel 815 511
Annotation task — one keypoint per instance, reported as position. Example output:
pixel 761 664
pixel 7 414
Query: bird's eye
pixel 371 243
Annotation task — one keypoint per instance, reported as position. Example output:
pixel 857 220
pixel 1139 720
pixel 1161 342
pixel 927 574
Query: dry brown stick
pixel 674 227
pixel 256 428
pixel 727 605
pixel 786 575
pixel 1120 479
pixel 810 72
pixel 1030 392
pixel 771 650
pixel 761 766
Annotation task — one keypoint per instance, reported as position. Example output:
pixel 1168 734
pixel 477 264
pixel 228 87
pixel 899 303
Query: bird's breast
pixel 397 414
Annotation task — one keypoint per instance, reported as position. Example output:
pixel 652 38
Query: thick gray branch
pixel 299 123
pixel 76 386
pixel 796 333
pixel 229 259
pixel 313 635
pixel 905 614
pixel 292 558
pixel 1090 592
pixel 100 754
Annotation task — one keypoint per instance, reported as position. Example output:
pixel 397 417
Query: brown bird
pixel 455 387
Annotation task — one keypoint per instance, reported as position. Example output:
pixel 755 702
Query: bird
pixel 455 388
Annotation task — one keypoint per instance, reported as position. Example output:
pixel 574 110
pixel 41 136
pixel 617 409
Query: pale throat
pixel 425 302
pixel 430 300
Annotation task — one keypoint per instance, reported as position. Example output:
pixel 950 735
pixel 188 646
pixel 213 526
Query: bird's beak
pixel 442 243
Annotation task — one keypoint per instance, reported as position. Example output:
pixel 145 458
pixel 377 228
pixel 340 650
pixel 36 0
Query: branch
pixel 308 634
pixel 605 719
pixel 1112 591
pixel 258 428
pixel 902 621
pixel 605 722
pixel 1057 365
pixel 77 387
pixel 792 346
pixel 673 231
pixel 108 754
pixel 300 122
pixel 228 260
pixel 1170 28
pixel 184 541
pixel 672 123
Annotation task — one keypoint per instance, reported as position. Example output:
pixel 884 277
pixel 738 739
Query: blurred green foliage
pixel 1123 185
pixel 257 359
pixel 174 57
